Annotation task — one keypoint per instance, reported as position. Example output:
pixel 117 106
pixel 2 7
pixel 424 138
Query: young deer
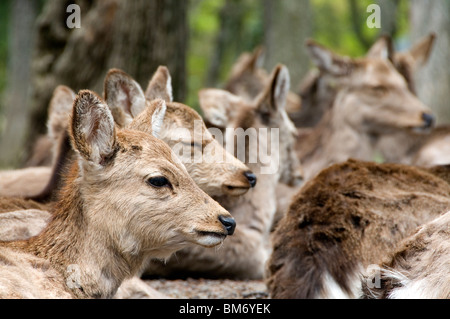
pixel 243 256
pixel 418 269
pixel 127 198
pixel 347 218
pixel 372 100
pixel 214 170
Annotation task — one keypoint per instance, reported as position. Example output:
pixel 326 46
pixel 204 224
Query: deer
pixel 243 255
pixel 350 216
pixel 128 102
pixel 417 269
pixel 227 176
pixel 372 100
pixel 416 147
pixel 92 243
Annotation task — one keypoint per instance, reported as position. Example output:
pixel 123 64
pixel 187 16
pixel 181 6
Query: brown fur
pixel 419 267
pixel 347 218
pixel 110 239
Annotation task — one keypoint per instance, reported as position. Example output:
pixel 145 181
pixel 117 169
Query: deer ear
pixel 421 51
pixel 248 62
pixel 275 95
pixel 382 48
pixel 151 119
pixel 59 111
pixel 160 86
pixel 328 61
pixel 219 107
pixel 124 96
pixel 92 128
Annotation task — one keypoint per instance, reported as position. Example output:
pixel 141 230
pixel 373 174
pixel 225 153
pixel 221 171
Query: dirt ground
pixel 210 289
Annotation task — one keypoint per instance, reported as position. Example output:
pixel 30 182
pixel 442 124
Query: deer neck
pixel 256 208
pixel 88 260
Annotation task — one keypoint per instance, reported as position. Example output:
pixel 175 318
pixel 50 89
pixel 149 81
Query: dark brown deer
pixel 350 216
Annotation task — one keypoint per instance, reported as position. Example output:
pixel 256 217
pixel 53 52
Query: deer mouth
pixel 209 238
pixel 235 190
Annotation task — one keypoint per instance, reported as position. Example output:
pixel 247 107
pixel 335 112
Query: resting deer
pixel 214 170
pixel 228 176
pixel 418 269
pixel 244 254
pixel 347 218
pixel 319 88
pixel 128 104
pixel 152 208
pixel 372 100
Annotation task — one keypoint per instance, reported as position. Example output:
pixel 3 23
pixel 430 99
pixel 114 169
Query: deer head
pixel 134 189
pixel 216 171
pixel 225 110
pixel 371 94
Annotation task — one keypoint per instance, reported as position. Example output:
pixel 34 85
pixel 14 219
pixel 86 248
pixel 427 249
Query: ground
pixel 210 289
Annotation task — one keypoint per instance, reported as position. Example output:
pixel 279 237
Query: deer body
pixel 347 218
pixel 153 209
pixel 419 268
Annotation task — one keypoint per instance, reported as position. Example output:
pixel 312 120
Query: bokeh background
pixel 199 40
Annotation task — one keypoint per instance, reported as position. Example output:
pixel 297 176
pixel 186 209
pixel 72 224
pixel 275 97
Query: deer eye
pixel 379 89
pixel 159 181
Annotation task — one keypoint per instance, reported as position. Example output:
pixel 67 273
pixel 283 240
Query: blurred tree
pixel 15 98
pixel 389 16
pixel 287 24
pixel 135 36
pixel 231 23
pixel 433 80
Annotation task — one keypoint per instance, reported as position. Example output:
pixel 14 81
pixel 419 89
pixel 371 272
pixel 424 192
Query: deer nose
pixel 229 223
pixel 251 178
pixel 428 119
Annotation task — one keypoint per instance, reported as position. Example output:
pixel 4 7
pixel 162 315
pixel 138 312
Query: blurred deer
pixel 247 79
pixel 372 100
pixel 127 198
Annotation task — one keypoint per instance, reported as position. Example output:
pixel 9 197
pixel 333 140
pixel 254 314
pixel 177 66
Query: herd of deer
pixel 106 197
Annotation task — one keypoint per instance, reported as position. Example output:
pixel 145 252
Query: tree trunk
pixel 389 16
pixel 433 80
pixel 16 95
pixel 287 25
pixel 135 36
